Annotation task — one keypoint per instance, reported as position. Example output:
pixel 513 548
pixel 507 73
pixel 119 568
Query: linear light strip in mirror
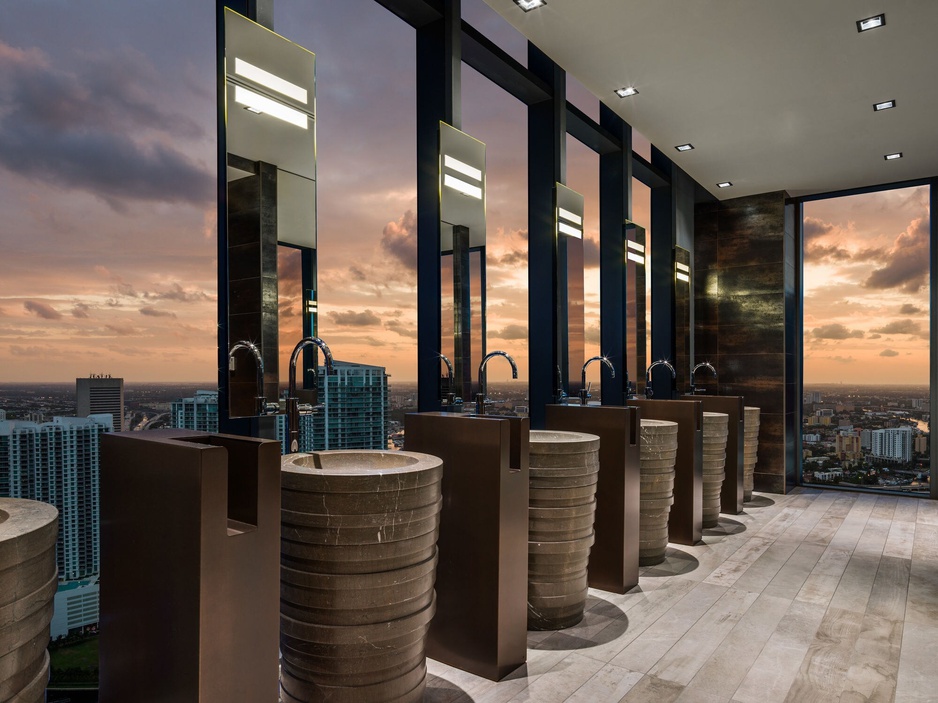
pixel 463 168
pixel 569 216
pixel 682 267
pixel 564 228
pixel 463 187
pixel 269 80
pixel 632 256
pixel 640 248
pixel 264 105
pixel 682 277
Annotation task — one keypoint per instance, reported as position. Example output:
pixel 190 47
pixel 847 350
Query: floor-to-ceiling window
pixel 866 341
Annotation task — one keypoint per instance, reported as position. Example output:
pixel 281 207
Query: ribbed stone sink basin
pixel 715 433
pixel 358 563
pixel 750 448
pixel 657 455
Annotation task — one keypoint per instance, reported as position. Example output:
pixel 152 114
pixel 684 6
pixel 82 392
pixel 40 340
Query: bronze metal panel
pixel 731 496
pixel 481 620
pixel 685 524
pixel 613 562
pixel 190 546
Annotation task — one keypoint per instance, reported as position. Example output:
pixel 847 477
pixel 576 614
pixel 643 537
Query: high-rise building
pixel 197 413
pixel 921 444
pixel 101 394
pixel 847 445
pixel 866 440
pixel 58 462
pixel 3 415
pixel 894 443
pixel 355 414
pixel 815 397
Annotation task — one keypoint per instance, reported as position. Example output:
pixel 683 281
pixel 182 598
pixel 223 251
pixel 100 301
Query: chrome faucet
pixel 701 365
pixel 661 362
pixel 293 402
pixel 584 387
pixel 260 402
pixel 481 395
pixel 451 400
pixel 560 395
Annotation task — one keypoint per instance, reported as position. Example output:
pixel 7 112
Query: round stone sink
pixel 558 442
pixel 353 461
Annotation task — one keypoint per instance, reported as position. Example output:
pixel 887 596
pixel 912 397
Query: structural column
pixel 547 133
pixel 439 55
pixel 615 207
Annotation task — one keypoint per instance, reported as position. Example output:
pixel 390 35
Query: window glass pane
pixel 866 341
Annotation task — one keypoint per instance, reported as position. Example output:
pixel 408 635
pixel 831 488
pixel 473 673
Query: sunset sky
pixel 107 160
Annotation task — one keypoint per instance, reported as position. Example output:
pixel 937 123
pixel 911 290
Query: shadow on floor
pixel 726 526
pixel 675 562
pixel 759 502
pixel 602 622
pixel 442 691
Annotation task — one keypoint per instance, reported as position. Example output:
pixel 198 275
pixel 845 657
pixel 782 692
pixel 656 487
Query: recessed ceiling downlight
pixel 528 5
pixel 626 92
pixel 885 105
pixel 893 157
pixel 871 23
pixel 724 184
pixel 684 147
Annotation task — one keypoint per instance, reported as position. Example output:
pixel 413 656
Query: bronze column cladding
pixel 685 524
pixel 613 563
pixel 480 624
pixel 190 552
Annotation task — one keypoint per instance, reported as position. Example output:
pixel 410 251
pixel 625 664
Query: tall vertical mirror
pixel 462 262
pixel 636 307
pixel 270 139
pixel 683 318
pixel 568 211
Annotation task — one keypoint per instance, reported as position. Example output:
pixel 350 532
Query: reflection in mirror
pixel 462 247
pixel 568 211
pixel 635 305
pixel 269 134
pixel 682 318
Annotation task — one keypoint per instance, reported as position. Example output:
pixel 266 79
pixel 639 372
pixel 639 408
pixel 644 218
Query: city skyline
pixel 107 160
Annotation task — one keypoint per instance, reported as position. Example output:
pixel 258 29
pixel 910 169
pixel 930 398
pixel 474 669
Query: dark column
pixel 547 133
pixel 462 313
pixel 662 277
pixel 933 326
pixel 438 100
pixel 615 207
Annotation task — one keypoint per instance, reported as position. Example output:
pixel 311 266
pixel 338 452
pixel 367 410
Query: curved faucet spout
pixel 701 365
pixel 584 388
pixel 293 403
pixel 480 398
pixel 260 402
pixel 301 345
pixel 661 362
pixel 450 399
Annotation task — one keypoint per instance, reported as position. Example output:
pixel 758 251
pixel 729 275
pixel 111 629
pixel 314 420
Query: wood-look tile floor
pixel 814 596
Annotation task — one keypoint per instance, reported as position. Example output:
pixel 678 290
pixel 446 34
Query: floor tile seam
pixel 598 672
pixel 570 653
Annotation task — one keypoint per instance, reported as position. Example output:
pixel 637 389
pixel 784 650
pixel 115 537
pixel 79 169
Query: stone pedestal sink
pixel 564 469
pixel 750 449
pixel 715 432
pixel 28 581
pixel 358 563
pixel 658 453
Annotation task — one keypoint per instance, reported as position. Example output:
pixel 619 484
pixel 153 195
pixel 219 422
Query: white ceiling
pixel 773 94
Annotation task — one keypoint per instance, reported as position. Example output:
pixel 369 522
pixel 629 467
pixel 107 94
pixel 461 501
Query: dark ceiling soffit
pixel 650 175
pixel 417 13
pixel 479 52
pixel 585 130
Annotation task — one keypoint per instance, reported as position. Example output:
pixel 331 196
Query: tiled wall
pixel 744 299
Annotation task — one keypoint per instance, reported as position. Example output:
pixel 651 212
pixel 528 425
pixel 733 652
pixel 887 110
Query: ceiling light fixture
pixel 724 184
pixel 626 92
pixel 893 157
pixel 884 105
pixel 528 5
pixel 871 23
pixel 261 104
pixel 685 147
